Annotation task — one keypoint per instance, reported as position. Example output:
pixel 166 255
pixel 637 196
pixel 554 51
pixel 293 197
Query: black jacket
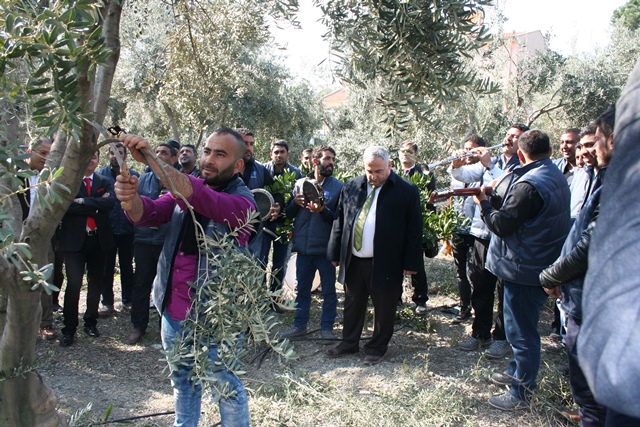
pixel 73 227
pixel 397 243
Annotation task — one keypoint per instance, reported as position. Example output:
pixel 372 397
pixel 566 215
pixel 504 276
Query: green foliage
pixel 628 14
pixel 231 310
pixel 42 47
pixel 441 224
pixel 417 50
pixel 283 184
pixel 208 63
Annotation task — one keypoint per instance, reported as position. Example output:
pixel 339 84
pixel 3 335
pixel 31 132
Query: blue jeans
pixel 306 266
pixel 522 306
pixel 234 410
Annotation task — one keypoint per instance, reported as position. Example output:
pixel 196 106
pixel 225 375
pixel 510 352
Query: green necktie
pixel 362 217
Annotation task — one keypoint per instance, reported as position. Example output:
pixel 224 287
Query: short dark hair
pixel 193 147
pixel 241 146
pixel 606 121
pixel 171 148
pixel 244 131
pixel 535 143
pixel 317 152
pixel 521 127
pixel 173 143
pixel 587 130
pixel 279 143
pixel 413 145
pixel 476 139
pixel 119 145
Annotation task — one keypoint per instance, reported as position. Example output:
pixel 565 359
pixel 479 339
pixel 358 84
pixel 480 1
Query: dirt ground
pixel 423 355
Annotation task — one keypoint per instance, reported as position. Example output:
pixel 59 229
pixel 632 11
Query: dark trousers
pixel 58 275
pixel 281 253
pixel 358 288
pixel 592 414
pixel 92 257
pixel 420 286
pixel 146 264
pixel 483 295
pixel 464 243
pixel 124 248
pixel 616 419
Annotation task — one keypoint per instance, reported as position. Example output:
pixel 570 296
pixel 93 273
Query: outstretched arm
pixel 177 182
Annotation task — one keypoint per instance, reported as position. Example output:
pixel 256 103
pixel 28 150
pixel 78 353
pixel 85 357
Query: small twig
pixel 138 417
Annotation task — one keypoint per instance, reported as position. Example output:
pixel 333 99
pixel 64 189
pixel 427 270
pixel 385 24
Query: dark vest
pixel 520 257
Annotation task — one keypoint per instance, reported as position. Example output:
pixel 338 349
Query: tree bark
pixel 25 400
pixel 172 121
pixel 112 11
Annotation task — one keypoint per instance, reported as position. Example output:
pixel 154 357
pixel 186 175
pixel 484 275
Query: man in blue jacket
pixel 147 247
pixel 311 231
pixel 123 236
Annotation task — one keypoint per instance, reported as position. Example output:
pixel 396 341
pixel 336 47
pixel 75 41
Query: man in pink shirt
pixel 221 203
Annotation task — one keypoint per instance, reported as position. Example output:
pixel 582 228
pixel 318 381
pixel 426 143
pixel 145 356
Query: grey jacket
pixel 609 339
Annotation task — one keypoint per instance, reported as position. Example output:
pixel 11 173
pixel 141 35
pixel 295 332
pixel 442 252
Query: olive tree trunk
pixel 25 400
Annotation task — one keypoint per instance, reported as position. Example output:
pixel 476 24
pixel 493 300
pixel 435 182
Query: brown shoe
pixel 135 336
pixel 48 333
pixel 107 311
pixel 371 359
pixel 335 352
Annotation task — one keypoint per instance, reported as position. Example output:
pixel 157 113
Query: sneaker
pixel 473 343
pixel 465 314
pixel 498 349
pixel 293 332
pixel 500 378
pixel 507 402
pixel 421 309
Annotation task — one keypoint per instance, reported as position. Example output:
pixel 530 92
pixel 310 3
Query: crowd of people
pixel 530 229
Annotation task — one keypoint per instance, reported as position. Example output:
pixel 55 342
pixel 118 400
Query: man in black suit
pixel 39 151
pixel 408 155
pixel 376 239
pixel 85 236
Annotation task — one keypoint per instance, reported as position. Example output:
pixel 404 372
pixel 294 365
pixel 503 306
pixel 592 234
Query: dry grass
pixel 423 380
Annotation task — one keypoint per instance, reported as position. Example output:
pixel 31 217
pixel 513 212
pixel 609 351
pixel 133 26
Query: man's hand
pixel 315 207
pixel 126 189
pixel 455 164
pixel 299 199
pixel 135 144
pixel 483 155
pixel 478 198
pixel 274 211
pixel 553 292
